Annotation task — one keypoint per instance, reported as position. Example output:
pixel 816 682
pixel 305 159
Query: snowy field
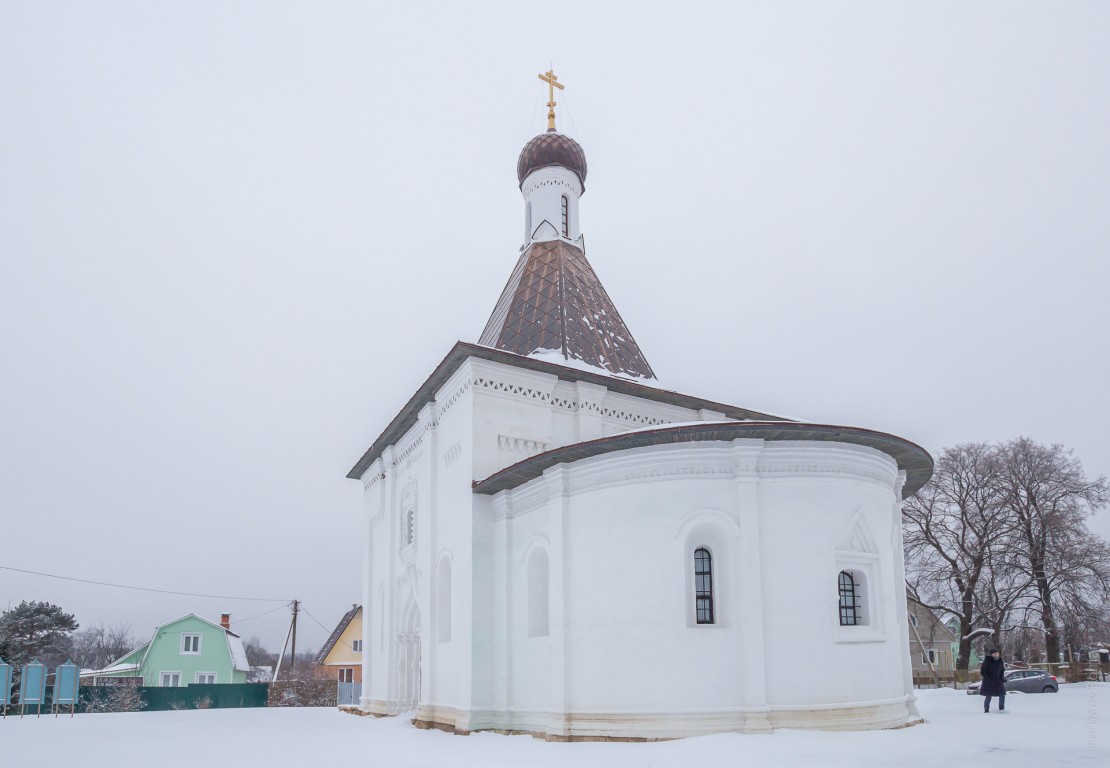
pixel 1068 728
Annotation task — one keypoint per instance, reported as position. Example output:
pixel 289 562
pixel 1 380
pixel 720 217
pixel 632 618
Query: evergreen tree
pixel 35 630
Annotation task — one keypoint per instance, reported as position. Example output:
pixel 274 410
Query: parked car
pixel 1025 681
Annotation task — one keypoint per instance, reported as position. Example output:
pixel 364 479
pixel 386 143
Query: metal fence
pixel 1076 672
pixel 348 694
pixel 206 696
pixel 195 696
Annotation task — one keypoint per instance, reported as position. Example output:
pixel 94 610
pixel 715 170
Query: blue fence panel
pixel 32 684
pixel 5 684
pixel 348 694
pixel 67 684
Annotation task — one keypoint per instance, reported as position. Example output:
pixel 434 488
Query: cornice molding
pixel 741 461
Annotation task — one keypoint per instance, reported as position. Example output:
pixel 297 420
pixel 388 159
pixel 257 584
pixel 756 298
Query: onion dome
pixel 549 149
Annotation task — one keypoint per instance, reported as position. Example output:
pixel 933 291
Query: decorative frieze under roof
pixel 554 301
pixel 462 351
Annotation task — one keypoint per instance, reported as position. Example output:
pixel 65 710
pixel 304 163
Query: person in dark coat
pixel 993 671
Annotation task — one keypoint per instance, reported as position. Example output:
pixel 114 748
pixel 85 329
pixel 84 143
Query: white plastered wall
pixel 616 530
pixel 625 659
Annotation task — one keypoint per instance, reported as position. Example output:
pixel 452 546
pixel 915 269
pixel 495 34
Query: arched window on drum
pixel 852 585
pixel 703 586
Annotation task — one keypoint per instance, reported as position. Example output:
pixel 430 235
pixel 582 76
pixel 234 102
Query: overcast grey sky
pixel 236 236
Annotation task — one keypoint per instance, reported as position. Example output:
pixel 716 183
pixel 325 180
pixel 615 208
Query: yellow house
pixel 341 654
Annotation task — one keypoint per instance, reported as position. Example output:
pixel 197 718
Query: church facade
pixel 556 545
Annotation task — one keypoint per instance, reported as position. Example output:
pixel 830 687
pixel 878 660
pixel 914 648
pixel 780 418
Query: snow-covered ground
pixel 1071 727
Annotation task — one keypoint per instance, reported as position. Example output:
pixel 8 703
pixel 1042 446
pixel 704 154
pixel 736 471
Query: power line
pixel 260 615
pixel 145 589
pixel 314 618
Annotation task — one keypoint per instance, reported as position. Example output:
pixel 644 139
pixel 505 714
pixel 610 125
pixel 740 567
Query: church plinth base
pixel 428 725
pixel 359 712
pixel 650 727
pixel 377 708
pixel 865 716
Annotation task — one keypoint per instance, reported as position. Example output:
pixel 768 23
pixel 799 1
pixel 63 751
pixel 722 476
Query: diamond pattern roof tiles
pixel 554 300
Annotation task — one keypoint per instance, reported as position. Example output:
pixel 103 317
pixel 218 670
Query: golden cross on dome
pixel 552 83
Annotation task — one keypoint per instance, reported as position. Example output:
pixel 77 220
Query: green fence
pixel 204 696
pixel 196 696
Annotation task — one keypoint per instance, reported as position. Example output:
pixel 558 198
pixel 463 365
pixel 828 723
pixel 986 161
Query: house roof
pixel 111 669
pixel 118 664
pixel 336 633
pixel 463 351
pixel 555 301
pixel 234 645
pixel 940 625
pixel 914 460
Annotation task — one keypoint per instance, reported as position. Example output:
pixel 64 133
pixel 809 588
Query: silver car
pixel 1025 681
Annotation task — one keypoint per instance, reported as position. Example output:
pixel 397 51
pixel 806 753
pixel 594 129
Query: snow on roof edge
pixel 238 652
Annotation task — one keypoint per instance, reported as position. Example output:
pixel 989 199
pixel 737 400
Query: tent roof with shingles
pixel 555 301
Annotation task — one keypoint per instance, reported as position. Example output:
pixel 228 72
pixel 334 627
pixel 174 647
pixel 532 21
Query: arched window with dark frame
pixel 703 585
pixel 566 217
pixel 849 600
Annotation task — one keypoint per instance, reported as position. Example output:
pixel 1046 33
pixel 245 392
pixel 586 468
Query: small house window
pixel 190 643
pixel 171 679
pixel 206 678
pixel 849 600
pixel 913 620
pixel 929 657
pixel 703 585
pixel 346 674
pixel 566 217
pixel 356 646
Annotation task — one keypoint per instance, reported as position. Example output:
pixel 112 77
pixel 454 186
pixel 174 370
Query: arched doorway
pixel 408 657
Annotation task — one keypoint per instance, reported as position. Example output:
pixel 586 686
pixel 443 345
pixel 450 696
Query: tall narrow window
pixel 849 600
pixel 381 619
pixel 538 616
pixel 703 585
pixel 443 588
pixel 408 527
pixel 566 217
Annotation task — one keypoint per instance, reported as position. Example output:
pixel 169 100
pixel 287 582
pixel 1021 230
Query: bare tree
pixel 1050 498
pixel 1003 600
pixel 952 527
pixel 97 646
pixel 257 655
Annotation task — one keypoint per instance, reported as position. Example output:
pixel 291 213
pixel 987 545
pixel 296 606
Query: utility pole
pixel 296 610
pixel 281 656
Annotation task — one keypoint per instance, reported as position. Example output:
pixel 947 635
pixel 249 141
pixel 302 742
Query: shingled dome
pixel 549 149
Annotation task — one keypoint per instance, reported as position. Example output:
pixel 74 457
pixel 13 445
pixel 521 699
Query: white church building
pixel 556 545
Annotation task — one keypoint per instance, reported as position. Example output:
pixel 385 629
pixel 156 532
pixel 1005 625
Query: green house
pixel 953 623
pixel 186 651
